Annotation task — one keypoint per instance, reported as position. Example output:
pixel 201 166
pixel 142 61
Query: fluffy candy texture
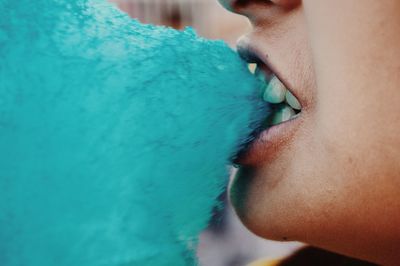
pixel 114 136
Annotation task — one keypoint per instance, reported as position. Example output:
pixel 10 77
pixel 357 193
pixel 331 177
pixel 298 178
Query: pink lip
pixel 268 143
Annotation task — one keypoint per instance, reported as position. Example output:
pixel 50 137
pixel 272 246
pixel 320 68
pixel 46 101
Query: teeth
pixel 292 101
pixel 284 104
pixel 284 113
pixel 262 78
pixel 275 91
pixel 252 68
pixel 260 75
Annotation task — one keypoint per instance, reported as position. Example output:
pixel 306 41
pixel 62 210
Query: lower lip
pixel 269 142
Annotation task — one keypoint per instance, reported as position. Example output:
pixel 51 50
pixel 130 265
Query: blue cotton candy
pixel 114 136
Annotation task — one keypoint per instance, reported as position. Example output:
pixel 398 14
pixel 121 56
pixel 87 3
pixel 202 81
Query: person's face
pixel 331 175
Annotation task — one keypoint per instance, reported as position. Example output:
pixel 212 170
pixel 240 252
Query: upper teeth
pixel 285 104
pixel 275 91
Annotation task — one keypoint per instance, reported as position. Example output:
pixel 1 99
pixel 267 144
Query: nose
pixel 227 4
pixel 239 6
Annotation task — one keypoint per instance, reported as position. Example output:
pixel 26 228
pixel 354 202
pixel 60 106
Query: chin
pixel 261 208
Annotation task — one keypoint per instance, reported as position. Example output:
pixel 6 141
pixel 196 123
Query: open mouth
pixel 284 105
pixel 278 125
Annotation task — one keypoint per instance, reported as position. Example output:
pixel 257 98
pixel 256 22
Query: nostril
pixel 227 4
pixel 286 3
pixel 234 5
pixel 250 7
pixel 238 6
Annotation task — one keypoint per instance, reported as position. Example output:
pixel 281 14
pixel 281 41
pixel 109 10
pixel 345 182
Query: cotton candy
pixel 115 136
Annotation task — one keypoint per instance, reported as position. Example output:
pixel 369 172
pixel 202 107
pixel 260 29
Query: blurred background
pixel 208 18
pixel 226 242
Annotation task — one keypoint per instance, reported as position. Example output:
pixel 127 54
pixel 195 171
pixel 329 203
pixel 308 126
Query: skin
pixel 335 183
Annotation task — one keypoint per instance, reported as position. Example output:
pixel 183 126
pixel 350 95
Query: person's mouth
pixel 279 126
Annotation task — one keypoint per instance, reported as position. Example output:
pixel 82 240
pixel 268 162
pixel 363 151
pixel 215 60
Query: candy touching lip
pixel 279 122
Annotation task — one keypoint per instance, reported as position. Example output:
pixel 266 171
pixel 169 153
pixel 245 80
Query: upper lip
pixel 246 50
pixel 252 53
